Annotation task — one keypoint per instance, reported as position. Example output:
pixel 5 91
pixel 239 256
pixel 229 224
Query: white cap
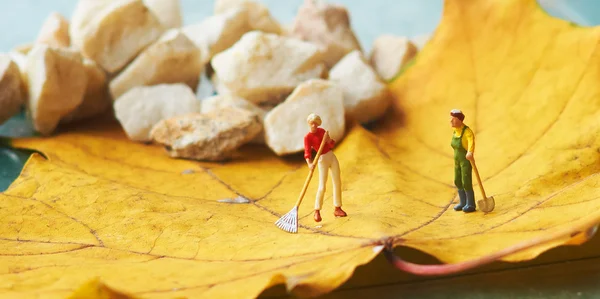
pixel 455 111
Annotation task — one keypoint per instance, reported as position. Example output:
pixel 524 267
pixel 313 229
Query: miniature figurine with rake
pixel 326 161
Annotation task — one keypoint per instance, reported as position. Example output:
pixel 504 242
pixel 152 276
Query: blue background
pixel 20 20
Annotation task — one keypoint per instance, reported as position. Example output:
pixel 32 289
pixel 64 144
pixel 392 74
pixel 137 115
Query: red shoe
pixel 317 216
pixel 339 212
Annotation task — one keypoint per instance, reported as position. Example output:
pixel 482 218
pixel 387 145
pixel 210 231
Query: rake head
pixel 289 221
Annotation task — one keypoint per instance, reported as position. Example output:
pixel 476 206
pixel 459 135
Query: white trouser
pixel 326 162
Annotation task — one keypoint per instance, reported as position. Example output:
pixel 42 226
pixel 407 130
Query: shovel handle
pixel 310 173
pixel 478 178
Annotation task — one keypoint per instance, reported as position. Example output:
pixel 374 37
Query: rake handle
pixel 310 173
pixel 478 178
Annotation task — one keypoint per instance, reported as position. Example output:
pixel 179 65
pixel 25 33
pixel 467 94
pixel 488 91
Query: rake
pixel 289 221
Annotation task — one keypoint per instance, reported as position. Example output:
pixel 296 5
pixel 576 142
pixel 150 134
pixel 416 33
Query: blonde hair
pixel 313 118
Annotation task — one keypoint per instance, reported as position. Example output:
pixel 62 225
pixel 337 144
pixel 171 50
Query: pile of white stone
pixel 134 57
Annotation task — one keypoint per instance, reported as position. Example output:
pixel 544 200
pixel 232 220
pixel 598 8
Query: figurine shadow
pixel 95 124
pixel 393 118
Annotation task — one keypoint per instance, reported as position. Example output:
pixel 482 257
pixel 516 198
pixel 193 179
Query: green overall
pixel 462 166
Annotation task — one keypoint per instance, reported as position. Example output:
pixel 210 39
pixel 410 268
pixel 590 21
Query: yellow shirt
pixel 468 140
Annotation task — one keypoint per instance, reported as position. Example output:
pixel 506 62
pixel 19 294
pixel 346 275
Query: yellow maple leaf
pixel 527 83
pixel 103 216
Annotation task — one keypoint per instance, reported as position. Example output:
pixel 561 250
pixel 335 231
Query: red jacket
pixel 313 141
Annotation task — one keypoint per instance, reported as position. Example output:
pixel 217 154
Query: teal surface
pixel 12 162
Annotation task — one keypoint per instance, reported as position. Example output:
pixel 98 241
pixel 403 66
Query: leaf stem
pixel 589 226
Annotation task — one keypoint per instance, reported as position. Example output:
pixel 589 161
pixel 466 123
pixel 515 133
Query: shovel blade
pixel 486 205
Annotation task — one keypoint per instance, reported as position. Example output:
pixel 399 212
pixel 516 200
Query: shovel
pixel 486 204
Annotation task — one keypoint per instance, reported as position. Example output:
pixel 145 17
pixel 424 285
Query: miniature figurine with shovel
pixel 463 143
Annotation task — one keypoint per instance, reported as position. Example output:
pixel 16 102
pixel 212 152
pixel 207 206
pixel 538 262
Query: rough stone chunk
pixel 171 59
pixel 142 107
pixel 11 97
pixel 259 16
pixel 218 32
pixel 212 136
pixel 365 95
pixel 19 58
pixel 21 61
pixel 327 25
pixel 420 40
pixel 167 11
pixel 286 30
pixel 217 102
pixel 57 82
pixel 23 49
pixel 96 98
pixel 85 11
pixel 55 32
pixel 263 67
pixel 113 32
pixel 219 87
pixel 285 125
pixel 390 53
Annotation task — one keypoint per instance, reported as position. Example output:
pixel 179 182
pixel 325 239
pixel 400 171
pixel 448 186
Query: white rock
pixel 113 32
pixel 57 82
pixel 213 136
pixel 85 11
pixel 285 125
pixel 139 109
pixel 219 87
pixel 420 40
pixel 390 53
pixel 19 58
pixel 11 97
pixel 23 49
pixel 327 25
pixel 286 30
pixel 167 11
pixel 96 98
pixel 21 61
pixel 218 102
pixel 365 95
pixel 218 32
pixel 263 67
pixel 55 31
pixel 259 16
pixel 171 59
